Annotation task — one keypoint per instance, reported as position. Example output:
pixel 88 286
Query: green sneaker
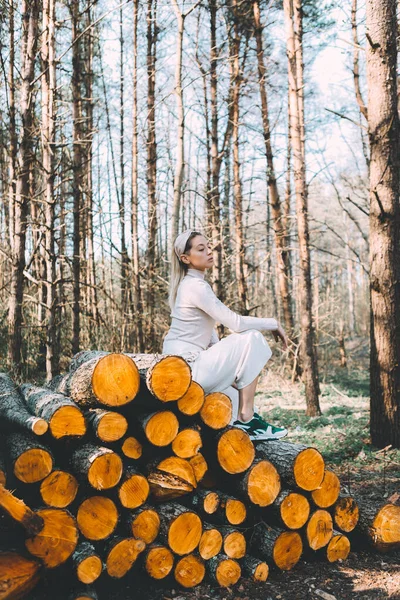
pixel 259 430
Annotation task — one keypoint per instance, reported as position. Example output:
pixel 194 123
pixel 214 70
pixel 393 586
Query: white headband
pixel 181 241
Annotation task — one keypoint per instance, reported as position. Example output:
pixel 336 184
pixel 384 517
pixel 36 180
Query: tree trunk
pixel 308 351
pixel 383 124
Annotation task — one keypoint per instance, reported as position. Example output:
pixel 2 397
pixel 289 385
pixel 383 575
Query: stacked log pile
pixel 125 465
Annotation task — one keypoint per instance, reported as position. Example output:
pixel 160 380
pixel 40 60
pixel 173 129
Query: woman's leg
pixel 246 401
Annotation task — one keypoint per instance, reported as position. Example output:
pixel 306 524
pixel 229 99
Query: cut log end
pixel 263 484
pixel 309 469
pixel 211 503
pixel 105 471
pixel 227 572
pixel 89 569
pixel 187 443
pixel 386 527
pixel 235 545
pixel 189 571
pixel 294 510
pixel 235 451
pixel 235 511
pixel 327 494
pixel 19 575
pixel 59 489
pixel 166 486
pixel 67 421
pixel 97 518
pixel 134 491
pixel 112 427
pixel 319 529
pixel 179 467
pixel 191 402
pixel 55 543
pixel 338 548
pixel 210 543
pixel 170 378
pixel 115 380
pixel 287 550
pixel 146 525
pixel 199 466
pixel 131 448
pixel 346 514
pixel 122 556
pixel 33 465
pixel 39 426
pixel 162 428
pixel 184 533
pixel 255 568
pixel 159 562
pixel 216 411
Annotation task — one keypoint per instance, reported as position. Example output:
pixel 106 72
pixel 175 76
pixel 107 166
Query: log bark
pixel 121 555
pixel 107 426
pixel 255 568
pixel 223 571
pixel 20 512
pixel 144 523
pixel 59 489
pixel 97 518
pixel 87 563
pixel 297 464
pixel 158 561
pixel 282 547
pixel 134 489
pixel 14 411
pixel 61 413
pixel 86 593
pixel 57 541
pixel 380 525
pixel 180 528
pixel 189 571
pixel 31 461
pixel 100 466
pixel 18 575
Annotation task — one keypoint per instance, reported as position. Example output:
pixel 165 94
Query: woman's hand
pixel 279 334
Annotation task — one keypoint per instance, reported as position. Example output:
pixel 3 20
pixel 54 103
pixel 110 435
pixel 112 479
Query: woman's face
pixel 200 255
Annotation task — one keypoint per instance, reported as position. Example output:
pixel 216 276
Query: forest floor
pixel 342 436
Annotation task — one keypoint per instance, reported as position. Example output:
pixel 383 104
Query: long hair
pixel 178 269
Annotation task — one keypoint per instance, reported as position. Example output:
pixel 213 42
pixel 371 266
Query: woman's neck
pixel 196 273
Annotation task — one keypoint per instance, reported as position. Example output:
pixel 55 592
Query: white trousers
pixel 238 359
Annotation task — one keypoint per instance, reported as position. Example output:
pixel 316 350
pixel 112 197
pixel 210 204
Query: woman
pixel 231 365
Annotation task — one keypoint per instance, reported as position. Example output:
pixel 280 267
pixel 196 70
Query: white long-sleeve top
pixel 197 309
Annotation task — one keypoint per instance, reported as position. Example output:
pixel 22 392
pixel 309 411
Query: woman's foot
pixel 259 430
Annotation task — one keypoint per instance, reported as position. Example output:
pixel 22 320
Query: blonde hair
pixel 178 268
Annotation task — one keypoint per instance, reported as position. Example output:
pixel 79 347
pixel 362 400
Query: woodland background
pixel 122 124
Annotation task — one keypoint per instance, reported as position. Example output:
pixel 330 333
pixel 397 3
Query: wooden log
pixel 87 564
pixel 180 467
pixel 206 502
pixel 18 575
pixel 59 489
pixel 180 528
pixel 290 510
pixel 31 460
pixel 328 492
pixel 232 510
pixel 167 377
pixel 100 466
pixel 166 486
pixel 144 523
pixel 346 514
pixel 97 518
pixel 63 416
pixel 233 542
pixel 297 464
pixel 216 411
pixel 189 571
pixel 158 561
pixel 3 476
pixel 131 447
pixel 121 555
pixel 379 524
pixel 192 402
pixel 14 411
pixel 319 529
pixel 108 426
pixel 260 484
pixel 235 450
pixel 57 541
pixel 20 512
pixel 210 542
pixel 199 466
pixel 338 548
pixel 255 568
pixel 160 428
pixel 187 442
pixel 98 378
pixel 87 593
pixel 134 489
pixel 223 571
pixel 282 547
